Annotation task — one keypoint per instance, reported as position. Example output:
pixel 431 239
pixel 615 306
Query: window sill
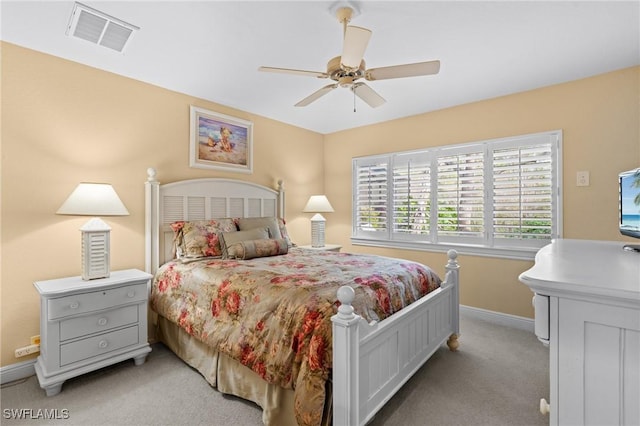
pixel 513 253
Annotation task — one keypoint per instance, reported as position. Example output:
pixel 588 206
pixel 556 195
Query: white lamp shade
pixel 318 204
pixel 93 199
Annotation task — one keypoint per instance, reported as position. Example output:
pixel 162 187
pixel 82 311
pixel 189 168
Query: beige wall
pixel 600 120
pixel 63 123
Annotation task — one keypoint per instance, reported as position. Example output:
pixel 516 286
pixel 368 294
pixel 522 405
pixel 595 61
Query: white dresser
pixel 87 325
pixel 587 309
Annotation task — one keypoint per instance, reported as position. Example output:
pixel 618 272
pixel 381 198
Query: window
pixel 371 196
pixel 499 197
pixel 411 196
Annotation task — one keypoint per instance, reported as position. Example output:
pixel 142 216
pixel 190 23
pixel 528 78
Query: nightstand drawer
pixel 87 302
pixel 98 345
pixel 98 322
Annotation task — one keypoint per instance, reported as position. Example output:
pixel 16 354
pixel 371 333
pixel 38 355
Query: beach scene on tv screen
pixel 630 193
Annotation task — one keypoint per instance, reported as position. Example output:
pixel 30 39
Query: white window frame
pixel 486 244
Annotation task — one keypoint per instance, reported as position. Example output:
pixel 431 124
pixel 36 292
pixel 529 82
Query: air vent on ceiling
pixel 99 28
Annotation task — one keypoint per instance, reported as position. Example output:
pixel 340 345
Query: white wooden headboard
pixel 200 199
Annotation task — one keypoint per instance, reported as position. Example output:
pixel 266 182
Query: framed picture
pixel 220 142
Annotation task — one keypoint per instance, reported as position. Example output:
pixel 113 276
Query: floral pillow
pixel 250 249
pixel 200 238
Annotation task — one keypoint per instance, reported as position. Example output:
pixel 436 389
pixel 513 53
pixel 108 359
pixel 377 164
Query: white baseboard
pixel 17 371
pixel 513 321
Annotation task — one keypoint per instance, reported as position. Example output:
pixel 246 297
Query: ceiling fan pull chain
pixel 353 89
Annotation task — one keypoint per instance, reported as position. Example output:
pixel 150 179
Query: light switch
pixel 582 179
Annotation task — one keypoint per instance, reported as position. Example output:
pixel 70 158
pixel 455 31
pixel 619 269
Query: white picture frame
pixel 220 142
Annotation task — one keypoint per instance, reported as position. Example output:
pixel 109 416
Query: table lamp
pixel 94 199
pixel 318 204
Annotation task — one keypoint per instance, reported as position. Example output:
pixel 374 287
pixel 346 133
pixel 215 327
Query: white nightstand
pixel 87 325
pixel 326 247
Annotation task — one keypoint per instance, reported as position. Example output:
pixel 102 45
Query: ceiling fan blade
pixel 368 95
pixel 296 72
pixel 317 94
pixel 356 40
pixel 400 71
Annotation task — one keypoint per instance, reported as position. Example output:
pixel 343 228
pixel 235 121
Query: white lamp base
pixel 95 249
pixel 317 230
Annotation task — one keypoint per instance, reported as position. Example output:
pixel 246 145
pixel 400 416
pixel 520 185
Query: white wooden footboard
pixel 371 362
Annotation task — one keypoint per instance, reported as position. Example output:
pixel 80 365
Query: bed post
pixel 345 360
pixel 452 279
pixel 151 221
pixel 280 206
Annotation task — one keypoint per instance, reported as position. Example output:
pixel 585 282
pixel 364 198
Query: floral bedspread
pixel 273 314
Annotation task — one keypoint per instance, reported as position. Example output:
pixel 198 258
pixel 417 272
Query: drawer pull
pixel 544 406
pixel 131 293
pixel 103 344
pixel 74 305
pixel 103 321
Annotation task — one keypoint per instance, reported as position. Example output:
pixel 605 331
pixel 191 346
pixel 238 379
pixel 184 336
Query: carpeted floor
pixel 496 378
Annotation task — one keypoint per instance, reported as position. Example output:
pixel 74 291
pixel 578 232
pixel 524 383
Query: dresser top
pixel 590 268
pixel 67 285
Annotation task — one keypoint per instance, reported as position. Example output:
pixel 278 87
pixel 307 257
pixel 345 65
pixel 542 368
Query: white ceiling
pixel 212 49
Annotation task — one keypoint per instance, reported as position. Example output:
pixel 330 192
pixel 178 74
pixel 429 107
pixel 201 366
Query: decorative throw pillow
pixel 200 238
pixel 250 249
pixel 284 232
pixel 261 222
pixel 229 240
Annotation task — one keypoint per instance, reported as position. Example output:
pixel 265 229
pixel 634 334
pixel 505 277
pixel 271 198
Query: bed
pixel 278 325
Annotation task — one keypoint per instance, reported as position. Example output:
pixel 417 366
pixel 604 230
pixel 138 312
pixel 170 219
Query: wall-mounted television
pixel 629 184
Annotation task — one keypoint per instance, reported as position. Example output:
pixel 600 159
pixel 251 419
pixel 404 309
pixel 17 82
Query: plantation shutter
pixel 523 192
pixel 498 197
pixel 461 195
pixel 411 195
pixel 370 196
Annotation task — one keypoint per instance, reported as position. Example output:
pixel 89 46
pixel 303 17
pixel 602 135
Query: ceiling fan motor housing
pixel 344 77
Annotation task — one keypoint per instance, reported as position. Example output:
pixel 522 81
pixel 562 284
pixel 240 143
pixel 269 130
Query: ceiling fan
pixel 349 67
